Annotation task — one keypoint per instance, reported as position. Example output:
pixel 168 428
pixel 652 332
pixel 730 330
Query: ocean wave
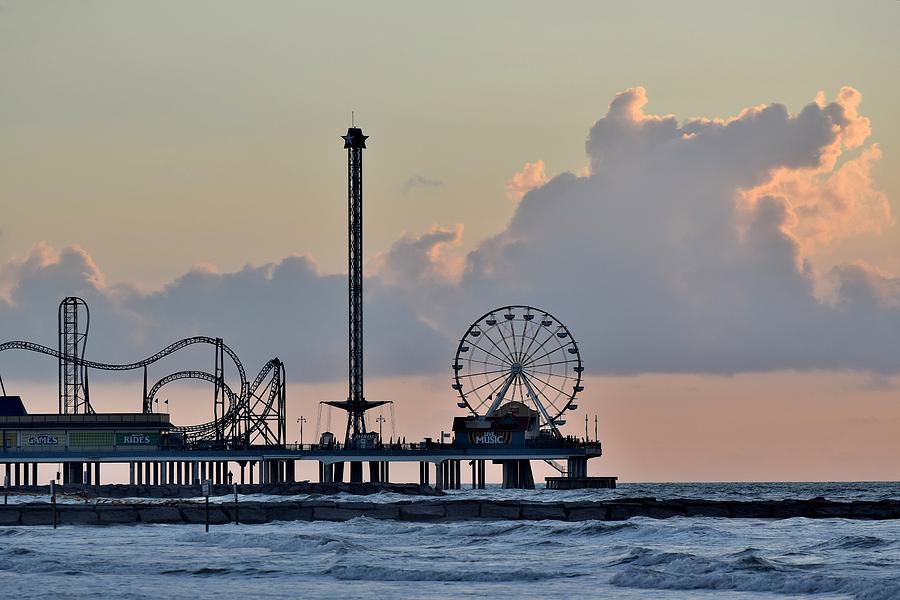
pixel 852 542
pixel 12 531
pixel 198 571
pixel 332 545
pixel 389 573
pixel 16 551
pixel 318 540
pixel 753 562
pixel 594 528
pixel 476 528
pixel 744 571
pixel 206 571
pixel 646 557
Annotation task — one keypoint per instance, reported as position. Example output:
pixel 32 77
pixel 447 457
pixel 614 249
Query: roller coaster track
pixel 170 349
pixel 203 430
pixel 247 404
pixel 238 406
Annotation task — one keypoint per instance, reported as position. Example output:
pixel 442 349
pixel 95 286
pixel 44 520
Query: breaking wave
pixel 388 573
pixel 745 571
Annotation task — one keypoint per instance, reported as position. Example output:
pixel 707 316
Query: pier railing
pixel 539 443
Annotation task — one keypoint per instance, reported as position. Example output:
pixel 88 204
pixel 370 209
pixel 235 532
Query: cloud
pixel 530 177
pixel 826 207
pixel 419 182
pixel 286 309
pixel 659 265
pixel 421 259
pixel 687 247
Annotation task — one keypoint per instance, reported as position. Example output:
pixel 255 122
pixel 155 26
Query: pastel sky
pixel 706 196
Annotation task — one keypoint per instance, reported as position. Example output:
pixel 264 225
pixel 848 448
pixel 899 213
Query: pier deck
pixel 435 454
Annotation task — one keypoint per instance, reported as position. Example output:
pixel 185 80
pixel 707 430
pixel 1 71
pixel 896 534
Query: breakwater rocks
pixel 437 511
pixel 194 491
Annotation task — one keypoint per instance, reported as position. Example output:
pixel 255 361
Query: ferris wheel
pixel 518 354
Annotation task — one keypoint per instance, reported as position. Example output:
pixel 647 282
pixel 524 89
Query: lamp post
pixel 379 420
pixel 301 421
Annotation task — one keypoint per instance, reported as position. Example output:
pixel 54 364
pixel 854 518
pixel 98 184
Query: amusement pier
pixel 516 373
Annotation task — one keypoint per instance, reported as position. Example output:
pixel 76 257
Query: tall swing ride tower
pixel 356 404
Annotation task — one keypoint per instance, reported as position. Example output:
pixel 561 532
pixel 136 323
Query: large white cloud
pixel 685 247
pixel 679 253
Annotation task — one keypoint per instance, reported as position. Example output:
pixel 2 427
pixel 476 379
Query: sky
pixel 707 197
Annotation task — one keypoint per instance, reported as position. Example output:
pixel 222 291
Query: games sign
pixel 40 439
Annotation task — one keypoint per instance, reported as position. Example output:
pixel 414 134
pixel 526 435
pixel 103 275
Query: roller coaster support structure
pixel 73 390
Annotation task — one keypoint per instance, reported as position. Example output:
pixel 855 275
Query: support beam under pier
pixel 356 472
pixel 517 474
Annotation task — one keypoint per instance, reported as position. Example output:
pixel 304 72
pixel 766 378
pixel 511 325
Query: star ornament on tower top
pixel 354 138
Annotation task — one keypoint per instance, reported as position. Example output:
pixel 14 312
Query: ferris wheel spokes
pixel 541 408
pixel 487 383
pixel 537 330
pixel 506 358
pixel 499 397
pixel 531 357
pixel 484 373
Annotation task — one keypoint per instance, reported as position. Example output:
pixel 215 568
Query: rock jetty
pixel 436 510
pixel 194 491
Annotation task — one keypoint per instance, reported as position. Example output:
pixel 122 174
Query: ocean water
pixel 366 558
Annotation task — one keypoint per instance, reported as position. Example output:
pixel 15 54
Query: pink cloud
pixel 629 106
pixel 416 259
pixel 531 176
pixel 45 263
pixel 827 202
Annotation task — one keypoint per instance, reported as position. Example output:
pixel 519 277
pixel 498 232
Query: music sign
pixel 489 438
